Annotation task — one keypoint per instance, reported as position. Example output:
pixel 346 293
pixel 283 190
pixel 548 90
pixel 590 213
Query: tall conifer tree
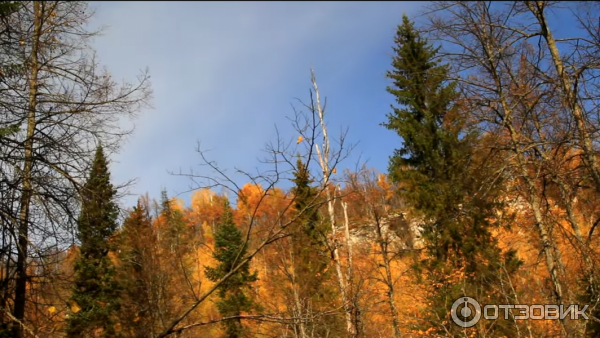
pixel 311 256
pixel 95 298
pixel 230 250
pixel 442 176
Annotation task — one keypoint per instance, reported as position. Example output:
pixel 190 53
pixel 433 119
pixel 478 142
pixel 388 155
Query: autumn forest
pixel 492 192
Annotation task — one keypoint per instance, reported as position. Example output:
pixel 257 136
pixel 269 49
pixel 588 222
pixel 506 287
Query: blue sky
pixel 225 73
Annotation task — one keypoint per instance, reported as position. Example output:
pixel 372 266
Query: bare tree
pixel 61 103
pixel 281 157
pixel 575 73
pixel 539 104
pixel 324 157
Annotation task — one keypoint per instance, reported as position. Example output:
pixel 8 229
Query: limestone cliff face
pixel 396 229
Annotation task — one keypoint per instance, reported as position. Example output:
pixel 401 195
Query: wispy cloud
pixel 226 72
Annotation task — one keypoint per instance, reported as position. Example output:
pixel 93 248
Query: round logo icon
pixel 466 312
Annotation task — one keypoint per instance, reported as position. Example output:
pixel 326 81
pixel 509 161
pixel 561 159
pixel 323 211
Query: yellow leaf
pixel 75 307
pixel 52 309
pixel 334 170
pixel 300 138
pixel 22 42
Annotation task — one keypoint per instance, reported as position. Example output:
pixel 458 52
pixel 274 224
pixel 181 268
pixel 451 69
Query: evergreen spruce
pixel 311 256
pixel 229 251
pixel 305 203
pixel 95 299
pixel 441 178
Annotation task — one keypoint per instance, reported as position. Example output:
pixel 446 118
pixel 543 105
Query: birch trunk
pixel 324 162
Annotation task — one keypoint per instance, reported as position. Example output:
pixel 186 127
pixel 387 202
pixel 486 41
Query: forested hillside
pixel 492 192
